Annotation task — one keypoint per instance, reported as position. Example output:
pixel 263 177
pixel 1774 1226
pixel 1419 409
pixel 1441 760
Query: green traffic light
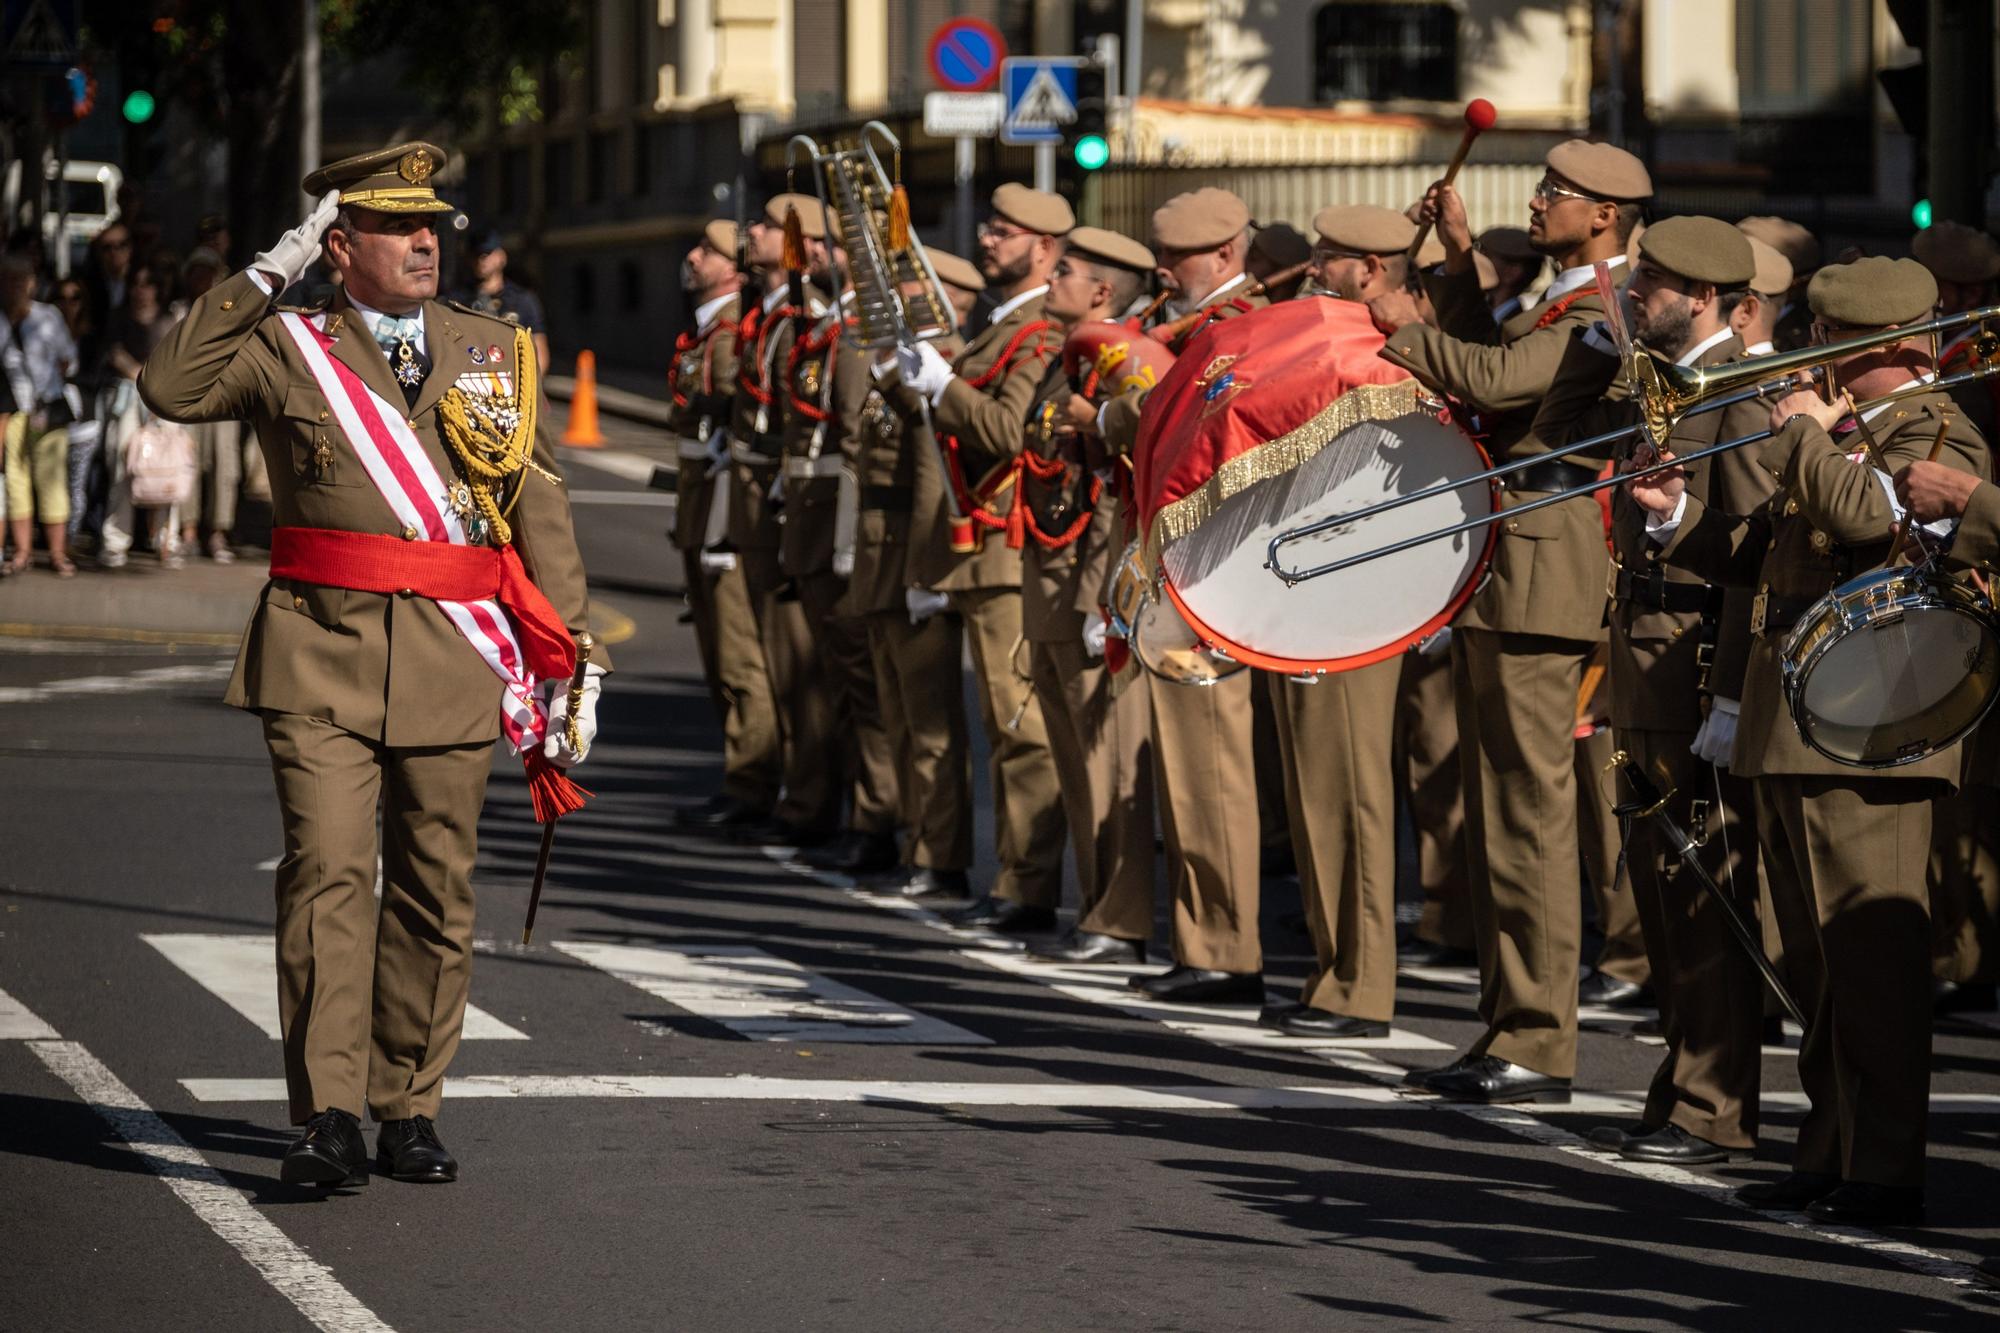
pixel 1092 152
pixel 1921 214
pixel 139 106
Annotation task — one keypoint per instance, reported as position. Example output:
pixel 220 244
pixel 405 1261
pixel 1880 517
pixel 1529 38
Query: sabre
pixel 1479 117
pixel 584 643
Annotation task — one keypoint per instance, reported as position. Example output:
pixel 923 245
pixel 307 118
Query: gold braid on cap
pixel 493 437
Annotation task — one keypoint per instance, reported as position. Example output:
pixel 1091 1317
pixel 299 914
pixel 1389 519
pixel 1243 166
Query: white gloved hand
pixel 1716 741
pixel 297 248
pixel 924 370
pixel 843 564
pixel 923 603
pixel 1093 635
pixel 556 700
pixel 716 562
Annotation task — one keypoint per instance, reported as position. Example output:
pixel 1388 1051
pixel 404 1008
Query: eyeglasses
pixel 994 231
pixel 1549 189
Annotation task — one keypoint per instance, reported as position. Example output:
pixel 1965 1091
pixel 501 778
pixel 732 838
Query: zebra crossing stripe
pixel 242 972
pixel 18 1023
pixel 765 998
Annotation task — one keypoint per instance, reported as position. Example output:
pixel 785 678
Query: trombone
pixel 1668 394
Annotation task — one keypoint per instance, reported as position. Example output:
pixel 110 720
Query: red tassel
pixel 550 789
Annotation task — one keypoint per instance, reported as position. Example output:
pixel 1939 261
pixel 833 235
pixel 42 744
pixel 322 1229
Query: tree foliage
pixel 461 56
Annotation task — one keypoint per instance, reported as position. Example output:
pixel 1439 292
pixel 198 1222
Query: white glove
pixel 843 564
pixel 923 604
pixel 1093 635
pixel 716 562
pixel 924 370
pixel 297 248
pixel 1716 740
pixel 556 700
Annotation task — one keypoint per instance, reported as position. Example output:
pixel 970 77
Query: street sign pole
pixel 1045 167
pixel 964 161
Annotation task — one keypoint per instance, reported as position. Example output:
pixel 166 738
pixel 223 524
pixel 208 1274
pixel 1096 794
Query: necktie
pixel 398 337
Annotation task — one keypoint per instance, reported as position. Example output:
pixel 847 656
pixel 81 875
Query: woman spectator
pixel 38 356
pixel 134 331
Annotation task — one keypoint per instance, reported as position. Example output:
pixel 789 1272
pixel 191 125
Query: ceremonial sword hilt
pixel 585 641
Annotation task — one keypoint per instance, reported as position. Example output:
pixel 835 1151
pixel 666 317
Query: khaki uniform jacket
pixel 1547 574
pixel 1060 585
pixel 393 669
pixel 826 381
pixel 988 423
pixel 1655 654
pixel 884 451
pixel 702 384
pixel 1827 520
pixel 757 422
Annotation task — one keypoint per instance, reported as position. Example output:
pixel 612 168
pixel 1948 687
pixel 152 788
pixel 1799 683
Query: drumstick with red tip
pixel 1479 117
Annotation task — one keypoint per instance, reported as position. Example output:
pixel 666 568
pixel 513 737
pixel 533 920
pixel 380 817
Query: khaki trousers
pixel 1846 858
pixel 918 677
pixel 1965 886
pixel 1338 734
pixel 1206 774
pixel 1426 773
pixel 1710 996
pixel 813 784
pixel 847 671
pixel 1516 701
pixel 371 996
pixel 752 762
pixel 1273 830
pixel 1103 756
pixel 700 586
pixel 1623 954
pixel 1027 804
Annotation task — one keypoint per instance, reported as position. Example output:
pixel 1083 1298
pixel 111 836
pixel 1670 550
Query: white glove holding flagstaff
pixel 924 369
pixel 922 604
pixel 297 248
pixel 1716 740
pixel 1093 635
pixel 555 697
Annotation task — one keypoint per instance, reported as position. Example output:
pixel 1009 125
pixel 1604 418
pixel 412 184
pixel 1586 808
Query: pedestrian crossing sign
pixel 1041 98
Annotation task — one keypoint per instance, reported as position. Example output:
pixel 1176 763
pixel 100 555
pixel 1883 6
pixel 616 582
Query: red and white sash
pixel 403 473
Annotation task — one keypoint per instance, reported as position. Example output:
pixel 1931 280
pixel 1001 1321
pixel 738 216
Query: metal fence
pixel 1125 195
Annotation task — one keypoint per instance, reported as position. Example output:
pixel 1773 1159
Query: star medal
pixel 408 373
pixel 460 499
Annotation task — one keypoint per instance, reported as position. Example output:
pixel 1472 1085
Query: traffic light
pixel 139 106
pixel 1086 147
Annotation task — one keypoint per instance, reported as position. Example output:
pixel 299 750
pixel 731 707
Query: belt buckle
pixel 1758 606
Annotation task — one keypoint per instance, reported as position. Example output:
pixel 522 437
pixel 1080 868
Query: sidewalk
pixel 203 603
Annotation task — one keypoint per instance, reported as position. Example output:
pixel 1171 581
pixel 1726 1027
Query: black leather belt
pixel 888 499
pixel 1652 591
pixel 1551 475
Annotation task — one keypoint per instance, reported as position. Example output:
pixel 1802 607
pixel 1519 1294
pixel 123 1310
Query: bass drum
pixel 1218 577
pixel 1891 667
pixel 1165 644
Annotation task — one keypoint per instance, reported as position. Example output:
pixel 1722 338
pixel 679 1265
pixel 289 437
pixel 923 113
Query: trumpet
pixel 1668 394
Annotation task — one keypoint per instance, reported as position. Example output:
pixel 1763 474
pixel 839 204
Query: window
pixel 1806 91
pixel 1385 52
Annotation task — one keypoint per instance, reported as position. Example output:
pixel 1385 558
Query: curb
pixel 619 402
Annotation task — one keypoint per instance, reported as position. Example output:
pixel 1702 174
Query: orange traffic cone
pixel 583 432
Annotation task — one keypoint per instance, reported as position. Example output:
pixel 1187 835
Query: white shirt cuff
pixel 1598 339
pixel 883 370
pixel 1662 530
pixel 263 283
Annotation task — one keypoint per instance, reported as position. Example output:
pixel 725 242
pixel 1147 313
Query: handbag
pixel 161 465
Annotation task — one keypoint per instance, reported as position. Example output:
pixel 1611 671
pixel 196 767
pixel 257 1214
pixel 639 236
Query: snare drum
pixel 1891 667
pixel 1162 640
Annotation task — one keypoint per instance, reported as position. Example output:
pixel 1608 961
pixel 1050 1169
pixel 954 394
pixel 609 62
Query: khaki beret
pixel 1489 276
pixel 1199 220
pixel 1954 252
pixel 396 179
pixel 1701 250
pixel 812 218
pixel 720 236
pixel 1873 292
pixel 1366 229
pixel 1774 272
pixel 1280 245
pixel 1601 170
pixel 958 272
pixel 1431 253
pixel 1108 247
pixel 1788 238
pixel 1034 210
pixel 1510 244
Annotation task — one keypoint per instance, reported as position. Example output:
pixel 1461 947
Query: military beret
pixel 1034 210
pixel 1489 276
pixel 1873 292
pixel 720 236
pixel 1954 252
pixel 396 179
pixel 1700 250
pixel 1431 253
pixel 1510 244
pixel 1108 247
pixel 1280 245
pixel 812 217
pixel 1367 229
pixel 1601 170
pixel 1199 220
pixel 1788 238
pixel 1774 272
pixel 958 272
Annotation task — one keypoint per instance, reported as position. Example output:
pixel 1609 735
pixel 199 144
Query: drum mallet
pixel 1479 117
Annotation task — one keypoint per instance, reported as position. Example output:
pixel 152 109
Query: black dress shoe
pixel 1415 952
pixel 1790 1192
pixel 1200 985
pixel 1612 1137
pixel 1329 1026
pixel 854 853
pixel 1608 992
pixel 410 1150
pixel 1969 997
pixel 1494 1081
pixel 1083 946
pixel 328 1152
pixel 719 812
pixel 1674 1146
pixel 1860 1204
pixel 1648 1027
pixel 1273 1014
pixel 1421 1078
pixel 1004 917
pixel 934 886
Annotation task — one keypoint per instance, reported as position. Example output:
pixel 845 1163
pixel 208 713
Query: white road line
pixel 662 499
pixel 153 678
pixel 766 998
pixel 308 1284
pixel 18 1024
pixel 632 467
pixel 242 971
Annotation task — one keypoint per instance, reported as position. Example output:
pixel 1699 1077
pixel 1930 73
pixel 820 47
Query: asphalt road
pixel 719 1093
